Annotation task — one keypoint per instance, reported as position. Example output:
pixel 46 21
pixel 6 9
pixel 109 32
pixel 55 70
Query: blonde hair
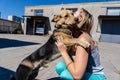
pixel 87 22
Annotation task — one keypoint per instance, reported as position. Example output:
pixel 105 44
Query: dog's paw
pixel 84 43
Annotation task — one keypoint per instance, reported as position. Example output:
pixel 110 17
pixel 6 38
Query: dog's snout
pixel 63 23
pixel 76 19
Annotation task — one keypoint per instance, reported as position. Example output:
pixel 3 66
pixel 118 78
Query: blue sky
pixel 16 7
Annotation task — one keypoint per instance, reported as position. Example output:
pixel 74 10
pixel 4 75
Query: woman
pixel 86 63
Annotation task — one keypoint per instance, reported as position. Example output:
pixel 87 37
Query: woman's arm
pixel 63 50
pixel 78 67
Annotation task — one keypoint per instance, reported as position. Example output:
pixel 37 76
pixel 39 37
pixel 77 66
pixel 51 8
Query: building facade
pixel 10 27
pixel 15 18
pixel 106 18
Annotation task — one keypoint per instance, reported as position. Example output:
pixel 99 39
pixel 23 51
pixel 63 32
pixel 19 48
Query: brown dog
pixel 65 22
pixel 29 67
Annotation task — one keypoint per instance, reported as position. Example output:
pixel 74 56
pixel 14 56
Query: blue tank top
pixel 94 65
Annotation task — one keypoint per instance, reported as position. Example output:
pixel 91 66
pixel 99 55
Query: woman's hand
pixel 60 44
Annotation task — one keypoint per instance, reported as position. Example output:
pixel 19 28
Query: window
pixel 113 11
pixel 40 28
pixel 39 12
pixel 16 19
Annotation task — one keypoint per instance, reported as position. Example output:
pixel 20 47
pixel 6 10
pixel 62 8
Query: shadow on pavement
pixel 6 73
pixel 5 43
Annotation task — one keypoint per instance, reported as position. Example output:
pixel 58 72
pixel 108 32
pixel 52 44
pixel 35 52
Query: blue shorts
pixel 65 74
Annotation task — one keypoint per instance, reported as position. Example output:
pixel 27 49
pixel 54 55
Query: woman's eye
pixel 80 15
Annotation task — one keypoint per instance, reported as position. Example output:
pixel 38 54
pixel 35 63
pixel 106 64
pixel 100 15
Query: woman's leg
pixel 66 75
pixel 60 67
pixel 90 76
pixel 63 72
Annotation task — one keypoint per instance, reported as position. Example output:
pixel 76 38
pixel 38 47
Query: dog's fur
pixel 64 19
pixel 66 22
pixel 29 67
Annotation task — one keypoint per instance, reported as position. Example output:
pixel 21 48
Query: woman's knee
pixel 66 75
pixel 60 67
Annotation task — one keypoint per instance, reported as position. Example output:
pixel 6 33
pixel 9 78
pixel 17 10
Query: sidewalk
pixel 110 57
pixel 11 55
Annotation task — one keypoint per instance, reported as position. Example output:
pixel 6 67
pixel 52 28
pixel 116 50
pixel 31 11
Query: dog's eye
pixel 72 13
pixel 66 15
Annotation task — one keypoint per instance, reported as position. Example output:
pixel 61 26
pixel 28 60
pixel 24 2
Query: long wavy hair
pixel 85 25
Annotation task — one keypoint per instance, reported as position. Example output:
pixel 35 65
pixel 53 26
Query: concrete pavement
pixel 110 57
pixel 13 48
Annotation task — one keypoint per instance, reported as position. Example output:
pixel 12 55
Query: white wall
pixel 96 9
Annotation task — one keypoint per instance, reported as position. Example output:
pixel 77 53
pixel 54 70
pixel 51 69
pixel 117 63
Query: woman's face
pixel 79 14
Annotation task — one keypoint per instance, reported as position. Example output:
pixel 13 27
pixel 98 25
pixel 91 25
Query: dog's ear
pixel 56 18
pixel 53 20
pixel 69 11
pixel 63 13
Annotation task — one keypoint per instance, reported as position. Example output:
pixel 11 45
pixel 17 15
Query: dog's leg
pixel 69 40
pixel 23 72
pixel 28 70
pixel 33 74
pixel 72 41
